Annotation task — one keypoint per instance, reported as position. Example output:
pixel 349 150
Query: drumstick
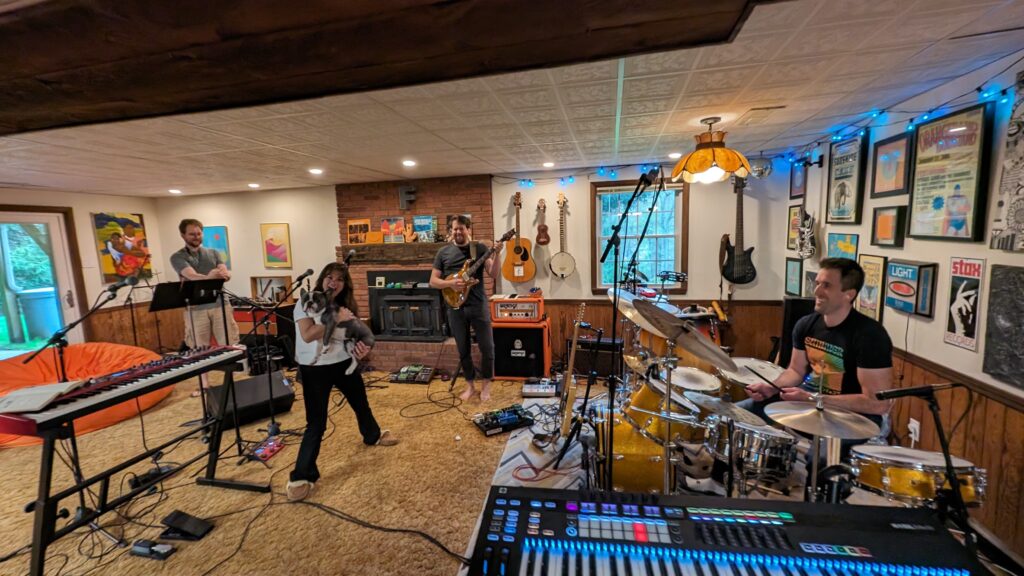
pixel 758 374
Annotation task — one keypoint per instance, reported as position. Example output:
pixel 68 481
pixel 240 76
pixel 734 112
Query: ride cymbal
pixel 829 422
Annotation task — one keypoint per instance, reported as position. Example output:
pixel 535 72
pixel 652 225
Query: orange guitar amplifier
pixel 509 308
pixel 522 349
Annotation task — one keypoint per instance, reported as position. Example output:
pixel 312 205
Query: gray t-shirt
pixel 449 260
pixel 202 261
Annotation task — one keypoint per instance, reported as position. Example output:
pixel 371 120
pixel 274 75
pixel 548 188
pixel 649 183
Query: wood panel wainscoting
pixel 991 436
pixel 114 324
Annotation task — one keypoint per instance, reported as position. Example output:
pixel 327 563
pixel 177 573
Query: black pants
pixel 317 382
pixel 459 322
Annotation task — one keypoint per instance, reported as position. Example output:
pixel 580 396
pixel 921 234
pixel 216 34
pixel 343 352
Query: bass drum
pixel 913 476
pixel 643 407
pixel 637 463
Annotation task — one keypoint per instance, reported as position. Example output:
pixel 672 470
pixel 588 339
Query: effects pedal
pixel 543 388
pixel 413 374
pixel 503 420
pixel 150 549
pixel 266 449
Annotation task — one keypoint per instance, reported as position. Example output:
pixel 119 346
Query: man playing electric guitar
pixel 474 313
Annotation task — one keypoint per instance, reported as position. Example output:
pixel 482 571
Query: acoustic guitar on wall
pixel 543 239
pixel 518 265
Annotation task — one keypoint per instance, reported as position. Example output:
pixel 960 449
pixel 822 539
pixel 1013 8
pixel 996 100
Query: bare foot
pixel 485 392
pixel 467 393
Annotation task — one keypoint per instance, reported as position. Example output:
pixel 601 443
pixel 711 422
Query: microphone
pixel 126 281
pixel 652 176
pixel 349 256
pixel 918 391
pixel 304 275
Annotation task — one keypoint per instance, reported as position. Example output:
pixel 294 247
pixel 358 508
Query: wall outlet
pixel 914 429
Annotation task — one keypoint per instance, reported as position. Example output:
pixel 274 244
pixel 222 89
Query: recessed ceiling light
pixel 316 171
pixel 549 164
pixel 408 163
pixel 174 191
pixel 253 185
pixel 675 155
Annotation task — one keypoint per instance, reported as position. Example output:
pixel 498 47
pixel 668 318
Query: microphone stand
pixel 613 243
pixel 631 266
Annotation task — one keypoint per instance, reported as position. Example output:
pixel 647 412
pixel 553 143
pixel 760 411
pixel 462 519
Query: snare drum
pixel 694 379
pixel 642 408
pixel 637 464
pixel 762 449
pixel 743 377
pixel 912 476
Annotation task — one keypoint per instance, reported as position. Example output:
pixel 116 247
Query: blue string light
pixel 600 171
pixel 613 174
pixel 571 179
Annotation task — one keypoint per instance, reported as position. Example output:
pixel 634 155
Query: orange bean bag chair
pixel 81 361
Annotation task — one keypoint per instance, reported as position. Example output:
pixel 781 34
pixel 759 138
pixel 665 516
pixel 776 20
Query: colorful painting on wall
pixel 846 180
pixel 794 276
pixel 122 245
pixel 891 172
pixel 216 238
pixel 357 230
pixel 889 226
pixel 842 245
pixel 810 277
pixel 276 245
pixel 793 232
pixel 869 299
pixel 797 181
pixel 393 229
pixel 965 276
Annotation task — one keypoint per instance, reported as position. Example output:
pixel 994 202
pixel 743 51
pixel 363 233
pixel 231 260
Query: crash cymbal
pixel 685 334
pixel 829 422
pixel 626 306
pixel 722 408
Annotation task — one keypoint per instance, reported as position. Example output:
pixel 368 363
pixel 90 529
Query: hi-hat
pixel 637 362
pixel 685 335
pixel 829 422
pixel 722 408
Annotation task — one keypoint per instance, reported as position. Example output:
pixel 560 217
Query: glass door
pixel 37 293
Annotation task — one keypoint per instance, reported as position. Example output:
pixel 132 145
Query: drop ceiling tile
pixel 590 110
pixel 560 152
pixel 661 62
pixel 752 49
pixel 634 107
pixel 543 115
pixel 518 80
pixel 455 88
pixel 846 11
pixel 471 104
pixel 525 99
pixel 463 138
pixel 599 92
pixel 418 108
pixel 637 131
pixel 636 144
pixel 770 96
pixel 923 28
pixel 386 96
pixel 647 87
pixel 721 80
pixel 546 129
pixel 489 119
pixel 437 123
pixel 988 47
pixel 840 84
pixel 991 18
pixel 793 71
pixel 828 40
pixel 876 62
pixel 644 120
pixel 605 70
pixel 594 125
pixel 705 100
pixel 778 17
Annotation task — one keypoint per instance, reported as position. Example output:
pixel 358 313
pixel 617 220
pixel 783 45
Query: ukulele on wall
pixel 542 229
pixel 518 265
pixel 562 264
pixel 737 266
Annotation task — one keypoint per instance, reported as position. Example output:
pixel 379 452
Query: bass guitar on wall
pixel 456 298
pixel 737 267
pixel 518 265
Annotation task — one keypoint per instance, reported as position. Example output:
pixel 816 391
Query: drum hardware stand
pixel 614 242
pixel 577 423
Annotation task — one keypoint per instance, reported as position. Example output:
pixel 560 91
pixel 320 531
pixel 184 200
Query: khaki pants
pixel 207 322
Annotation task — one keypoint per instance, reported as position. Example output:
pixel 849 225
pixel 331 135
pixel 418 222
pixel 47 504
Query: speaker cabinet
pixel 252 399
pixel 793 309
pixel 522 350
pixel 605 353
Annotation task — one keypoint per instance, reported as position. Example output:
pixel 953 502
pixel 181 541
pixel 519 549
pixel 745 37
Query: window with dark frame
pixel 665 245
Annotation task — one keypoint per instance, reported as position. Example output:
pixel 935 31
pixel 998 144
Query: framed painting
pixel 216 238
pixel 842 245
pixel 122 245
pixel 357 230
pixel 889 226
pixel 276 245
pixel 890 165
pixel 949 190
pixel 810 277
pixel 870 298
pixel 794 276
pixel 1004 331
pixel 797 180
pixel 964 308
pixel 793 230
pixel 272 288
pixel 846 180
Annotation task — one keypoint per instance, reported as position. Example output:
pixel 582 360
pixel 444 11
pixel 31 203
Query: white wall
pixel 82 206
pixel 712 212
pixel 311 213
pixel 924 336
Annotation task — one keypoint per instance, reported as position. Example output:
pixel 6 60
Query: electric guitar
pixel 456 298
pixel 568 385
pixel 737 267
pixel 518 265
pixel 562 264
pixel 542 229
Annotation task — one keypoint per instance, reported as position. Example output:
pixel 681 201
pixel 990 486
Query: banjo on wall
pixel 562 264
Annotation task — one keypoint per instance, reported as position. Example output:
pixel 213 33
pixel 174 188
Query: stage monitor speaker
pixel 793 309
pixel 522 350
pixel 252 399
pixel 605 354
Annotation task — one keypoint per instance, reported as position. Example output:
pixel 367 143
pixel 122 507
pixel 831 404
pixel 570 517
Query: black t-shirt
pixel 449 260
pixel 837 352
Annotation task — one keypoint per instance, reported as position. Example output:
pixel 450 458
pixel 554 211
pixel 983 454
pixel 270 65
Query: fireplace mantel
pixel 383 254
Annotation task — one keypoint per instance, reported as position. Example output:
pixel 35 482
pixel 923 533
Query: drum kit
pixel 674 419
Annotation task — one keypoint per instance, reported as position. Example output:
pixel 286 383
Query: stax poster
pixel 964 302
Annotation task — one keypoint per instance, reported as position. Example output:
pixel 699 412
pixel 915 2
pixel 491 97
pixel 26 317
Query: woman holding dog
pixel 324 367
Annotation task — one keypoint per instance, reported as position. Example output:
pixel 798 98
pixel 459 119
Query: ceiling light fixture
pixel 408 163
pixel 675 155
pixel 174 191
pixel 316 171
pixel 712 161
pixel 549 164
pixel 958 129
pixel 253 185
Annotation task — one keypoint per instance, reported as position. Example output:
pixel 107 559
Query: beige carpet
pixel 432 481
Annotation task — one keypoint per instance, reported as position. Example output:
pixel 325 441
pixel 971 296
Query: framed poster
pixel 358 228
pixel 889 226
pixel 276 245
pixel 910 286
pixel 1008 220
pixel 797 180
pixel 965 276
pixel 794 276
pixel 1004 332
pixel 810 277
pixel 890 165
pixel 869 299
pixel 846 180
pixel 793 231
pixel 842 246
pixel 949 188
pixel 216 238
pixel 393 229
pixel 122 245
